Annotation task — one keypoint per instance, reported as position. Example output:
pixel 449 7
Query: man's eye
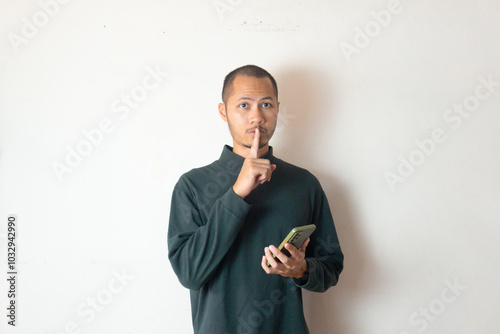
pixel 266 105
pixel 243 105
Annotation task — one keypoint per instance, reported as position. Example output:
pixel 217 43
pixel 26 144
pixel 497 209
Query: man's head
pixel 250 100
pixel 249 71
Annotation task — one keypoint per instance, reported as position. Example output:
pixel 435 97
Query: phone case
pixel 297 237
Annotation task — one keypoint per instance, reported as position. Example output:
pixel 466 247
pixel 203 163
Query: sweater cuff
pixel 305 281
pixel 235 204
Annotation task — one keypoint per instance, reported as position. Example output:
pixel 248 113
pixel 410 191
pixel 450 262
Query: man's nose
pixel 257 115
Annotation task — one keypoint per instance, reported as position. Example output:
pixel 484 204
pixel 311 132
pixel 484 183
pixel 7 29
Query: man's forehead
pixel 251 87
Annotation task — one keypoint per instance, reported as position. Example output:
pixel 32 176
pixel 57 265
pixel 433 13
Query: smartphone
pixel 297 236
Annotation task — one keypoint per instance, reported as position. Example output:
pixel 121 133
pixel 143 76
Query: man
pixel 226 217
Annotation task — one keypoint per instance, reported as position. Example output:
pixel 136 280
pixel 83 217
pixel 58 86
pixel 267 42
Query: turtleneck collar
pixel 232 161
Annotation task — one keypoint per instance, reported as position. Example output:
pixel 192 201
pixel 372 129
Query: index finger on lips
pixel 255 146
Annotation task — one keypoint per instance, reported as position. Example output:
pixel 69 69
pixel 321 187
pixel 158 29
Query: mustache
pixel 260 129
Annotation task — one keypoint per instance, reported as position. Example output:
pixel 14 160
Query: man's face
pixel 252 104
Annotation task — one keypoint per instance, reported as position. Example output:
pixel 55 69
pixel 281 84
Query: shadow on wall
pixel 308 95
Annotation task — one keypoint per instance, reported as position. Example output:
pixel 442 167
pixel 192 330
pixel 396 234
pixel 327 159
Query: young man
pixel 226 217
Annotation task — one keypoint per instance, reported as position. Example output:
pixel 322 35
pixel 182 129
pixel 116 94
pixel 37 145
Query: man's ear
pixel 222 112
pixel 278 109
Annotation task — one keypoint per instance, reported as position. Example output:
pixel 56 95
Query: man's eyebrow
pixel 251 99
pixel 245 98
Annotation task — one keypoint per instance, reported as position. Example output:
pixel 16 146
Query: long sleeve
pixel 324 257
pixel 196 247
pixel 216 242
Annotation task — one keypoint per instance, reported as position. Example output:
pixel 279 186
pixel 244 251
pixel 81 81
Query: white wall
pixel 352 108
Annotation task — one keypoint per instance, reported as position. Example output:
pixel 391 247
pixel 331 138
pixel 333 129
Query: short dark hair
pixel 249 71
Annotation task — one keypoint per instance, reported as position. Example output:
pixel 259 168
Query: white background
pixel 348 118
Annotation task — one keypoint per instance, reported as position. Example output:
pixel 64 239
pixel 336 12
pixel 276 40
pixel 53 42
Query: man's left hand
pixel 294 266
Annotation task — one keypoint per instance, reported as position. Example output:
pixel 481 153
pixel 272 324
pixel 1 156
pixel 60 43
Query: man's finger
pixel 296 252
pixel 254 150
pixel 264 265
pixel 282 257
pixel 269 257
pixel 273 167
pixel 304 245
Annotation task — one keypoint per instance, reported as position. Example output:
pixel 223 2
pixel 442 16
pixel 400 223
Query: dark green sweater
pixel 216 241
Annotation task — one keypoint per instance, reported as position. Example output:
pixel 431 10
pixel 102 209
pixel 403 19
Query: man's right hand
pixel 254 171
